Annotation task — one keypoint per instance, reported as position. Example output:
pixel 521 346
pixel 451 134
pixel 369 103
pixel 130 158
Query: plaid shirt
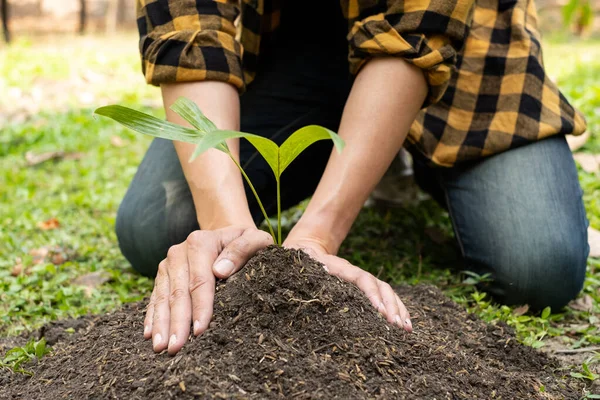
pixel 488 91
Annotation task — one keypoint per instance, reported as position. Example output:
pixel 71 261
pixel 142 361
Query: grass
pixel 83 194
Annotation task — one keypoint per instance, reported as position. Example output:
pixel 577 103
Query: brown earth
pixel 284 328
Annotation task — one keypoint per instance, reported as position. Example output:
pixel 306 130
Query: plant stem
pixel 278 212
pixel 255 195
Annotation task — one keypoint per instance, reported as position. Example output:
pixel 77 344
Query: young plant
pixel 14 358
pixel 206 136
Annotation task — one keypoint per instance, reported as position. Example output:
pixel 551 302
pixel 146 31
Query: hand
pixel 184 287
pixel 380 294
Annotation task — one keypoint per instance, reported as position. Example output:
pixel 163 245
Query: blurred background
pixel 64 172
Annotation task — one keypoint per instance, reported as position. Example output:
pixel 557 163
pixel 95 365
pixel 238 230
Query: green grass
pixel 84 195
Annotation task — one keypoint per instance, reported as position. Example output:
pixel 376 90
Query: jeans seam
pixel 451 214
pixel 585 220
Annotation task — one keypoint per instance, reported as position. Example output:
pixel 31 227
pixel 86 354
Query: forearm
pixel 383 103
pixel 214 180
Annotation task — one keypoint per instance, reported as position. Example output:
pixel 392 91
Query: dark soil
pixel 284 328
pixel 53 332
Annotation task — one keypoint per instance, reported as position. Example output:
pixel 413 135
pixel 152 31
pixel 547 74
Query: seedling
pixel 14 358
pixel 206 136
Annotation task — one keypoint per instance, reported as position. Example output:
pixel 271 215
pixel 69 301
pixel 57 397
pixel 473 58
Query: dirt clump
pixel 284 328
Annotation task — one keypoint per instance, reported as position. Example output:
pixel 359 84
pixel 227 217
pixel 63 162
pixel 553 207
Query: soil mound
pixel 284 328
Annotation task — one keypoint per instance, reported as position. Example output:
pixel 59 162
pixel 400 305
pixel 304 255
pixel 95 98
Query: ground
pixel 60 256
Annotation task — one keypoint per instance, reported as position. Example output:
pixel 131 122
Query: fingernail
pixel 146 330
pixel 156 341
pixel 398 321
pixel 196 327
pixel 325 268
pixel 381 308
pixel 408 323
pixel 224 267
pixel 172 340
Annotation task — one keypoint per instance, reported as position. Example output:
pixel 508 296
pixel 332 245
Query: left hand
pixel 380 294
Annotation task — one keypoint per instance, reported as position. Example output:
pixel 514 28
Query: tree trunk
pixel 112 15
pixel 4 12
pixel 82 17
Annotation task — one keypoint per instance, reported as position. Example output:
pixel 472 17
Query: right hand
pixel 184 287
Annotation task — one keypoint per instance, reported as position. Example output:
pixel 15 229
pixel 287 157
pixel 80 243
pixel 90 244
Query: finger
pixel 366 282
pixel 235 254
pixel 180 303
pixel 149 316
pixel 203 249
pixel 392 312
pixel 160 317
pixel 405 315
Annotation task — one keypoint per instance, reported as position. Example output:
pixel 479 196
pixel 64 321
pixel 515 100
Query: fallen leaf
pixel 39 255
pixel 117 141
pixel 58 258
pixel 521 310
pixel 56 255
pixel 594 242
pixel 33 159
pixel 50 224
pixel 17 268
pixel 92 280
pixel 584 303
pixel 588 162
pixel 73 156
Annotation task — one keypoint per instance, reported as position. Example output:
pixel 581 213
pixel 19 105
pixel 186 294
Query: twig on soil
pixel 580 350
pixel 305 301
pixel 325 346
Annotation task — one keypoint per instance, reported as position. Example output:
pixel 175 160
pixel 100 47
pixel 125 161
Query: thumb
pixel 235 255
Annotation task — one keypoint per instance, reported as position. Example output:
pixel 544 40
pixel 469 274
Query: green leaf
pixel 14 354
pixel 40 348
pixel 148 124
pixel 546 313
pixel 189 111
pixel 267 148
pixel 301 139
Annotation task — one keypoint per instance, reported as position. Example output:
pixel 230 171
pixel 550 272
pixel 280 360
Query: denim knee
pixel 130 235
pixel 151 220
pixel 550 274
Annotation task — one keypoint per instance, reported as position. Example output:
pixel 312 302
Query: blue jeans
pixel 518 215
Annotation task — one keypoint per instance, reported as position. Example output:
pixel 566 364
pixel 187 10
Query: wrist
pixel 239 220
pixel 328 229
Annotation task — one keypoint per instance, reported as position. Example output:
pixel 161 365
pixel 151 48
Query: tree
pixel 82 17
pixel 4 12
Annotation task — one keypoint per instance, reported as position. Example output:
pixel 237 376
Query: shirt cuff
pixel 433 52
pixel 192 55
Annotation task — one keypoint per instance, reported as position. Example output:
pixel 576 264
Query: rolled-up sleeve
pixel 190 40
pixel 426 33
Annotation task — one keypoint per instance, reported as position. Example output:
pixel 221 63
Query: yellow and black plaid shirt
pixel 488 91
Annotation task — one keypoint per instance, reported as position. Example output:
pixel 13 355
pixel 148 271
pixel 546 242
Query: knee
pixel 549 274
pixel 152 220
pixel 131 233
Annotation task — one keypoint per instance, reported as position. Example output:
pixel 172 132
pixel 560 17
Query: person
pixel 459 83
